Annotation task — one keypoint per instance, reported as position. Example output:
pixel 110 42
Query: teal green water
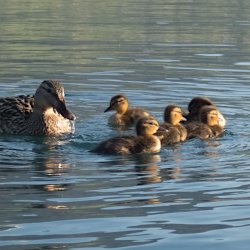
pixel 55 194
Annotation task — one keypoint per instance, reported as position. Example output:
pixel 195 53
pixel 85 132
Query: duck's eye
pixel 120 101
pixel 152 124
pixel 49 91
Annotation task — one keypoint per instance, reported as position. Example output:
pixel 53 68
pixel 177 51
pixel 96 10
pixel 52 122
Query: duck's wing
pixel 217 130
pixel 133 114
pixel 170 136
pixel 11 107
pixel 116 145
pixel 198 129
pixel 14 112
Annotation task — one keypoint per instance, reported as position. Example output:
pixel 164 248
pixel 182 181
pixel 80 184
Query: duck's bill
pixel 62 109
pixel 183 119
pixel 108 109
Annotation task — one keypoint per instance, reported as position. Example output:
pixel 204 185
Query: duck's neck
pixel 44 122
pixel 36 123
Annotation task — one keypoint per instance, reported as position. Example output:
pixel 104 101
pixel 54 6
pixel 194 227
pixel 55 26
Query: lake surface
pixel 55 194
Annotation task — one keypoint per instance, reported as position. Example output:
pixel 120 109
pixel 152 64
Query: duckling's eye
pixel 120 101
pixel 152 123
pixel 49 91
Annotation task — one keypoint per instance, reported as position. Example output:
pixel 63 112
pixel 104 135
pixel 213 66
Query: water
pixel 55 194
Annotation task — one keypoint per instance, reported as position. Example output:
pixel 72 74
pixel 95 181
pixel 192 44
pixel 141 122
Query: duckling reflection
pixel 175 132
pixel 194 108
pixel 50 163
pixel 147 169
pixel 52 167
pixel 149 172
pixel 124 116
pixel 209 125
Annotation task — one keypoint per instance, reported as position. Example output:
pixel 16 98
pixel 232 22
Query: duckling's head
pixel 50 94
pixel 119 103
pixel 196 103
pixel 147 126
pixel 210 115
pixel 173 114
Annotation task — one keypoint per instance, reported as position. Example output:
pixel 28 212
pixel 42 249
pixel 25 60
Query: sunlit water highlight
pixel 55 194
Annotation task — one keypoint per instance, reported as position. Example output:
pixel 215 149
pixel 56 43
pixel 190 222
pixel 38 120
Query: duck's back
pixel 116 145
pixel 183 132
pixel 136 113
pixel 171 136
pixel 129 118
pixel 129 145
pixel 217 130
pixel 198 129
pixel 14 111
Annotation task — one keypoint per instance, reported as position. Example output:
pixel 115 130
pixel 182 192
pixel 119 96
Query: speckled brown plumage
pixel 45 113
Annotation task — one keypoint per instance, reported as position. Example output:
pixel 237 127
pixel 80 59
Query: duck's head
pixel 50 94
pixel 173 114
pixel 147 126
pixel 210 115
pixel 196 103
pixel 119 103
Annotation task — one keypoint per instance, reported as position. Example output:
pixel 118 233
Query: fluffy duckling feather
pixel 174 131
pixel 124 116
pixel 209 125
pixel 195 106
pixel 144 142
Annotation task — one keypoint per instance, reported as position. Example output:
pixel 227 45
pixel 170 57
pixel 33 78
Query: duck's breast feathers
pixel 147 144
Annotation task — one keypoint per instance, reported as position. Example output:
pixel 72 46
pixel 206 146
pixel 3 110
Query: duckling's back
pixel 129 118
pixel 116 145
pixel 198 129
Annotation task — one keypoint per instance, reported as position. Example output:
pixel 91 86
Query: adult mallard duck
pixel 208 126
pixel 175 132
pixel 45 113
pixel 144 142
pixel 124 116
pixel 195 106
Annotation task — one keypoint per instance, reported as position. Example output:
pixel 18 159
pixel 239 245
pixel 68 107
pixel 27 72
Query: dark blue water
pixel 55 194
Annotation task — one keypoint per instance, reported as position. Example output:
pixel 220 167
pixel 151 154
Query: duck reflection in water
pixel 149 172
pixel 50 163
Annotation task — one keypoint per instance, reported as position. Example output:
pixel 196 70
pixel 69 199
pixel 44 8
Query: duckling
pixel 144 142
pixel 209 125
pixel 45 113
pixel 175 132
pixel 124 116
pixel 196 104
